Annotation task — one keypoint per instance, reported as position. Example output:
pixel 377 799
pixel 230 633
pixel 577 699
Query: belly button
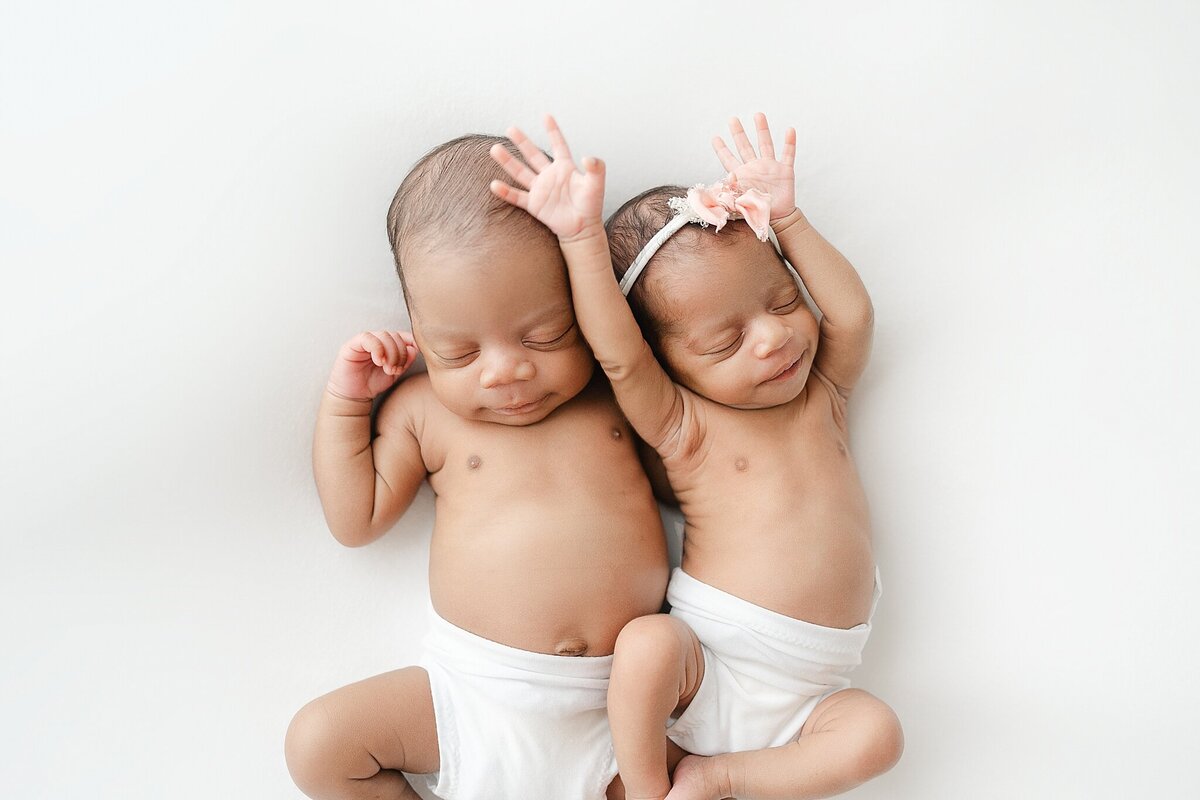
pixel 473 462
pixel 741 465
pixel 571 647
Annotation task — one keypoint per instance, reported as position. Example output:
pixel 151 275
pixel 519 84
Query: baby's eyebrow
pixel 553 314
pixel 437 332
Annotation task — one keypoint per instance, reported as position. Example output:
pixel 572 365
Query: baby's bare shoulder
pixel 406 406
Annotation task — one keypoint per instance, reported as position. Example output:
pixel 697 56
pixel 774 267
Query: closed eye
pixel 550 343
pixel 788 306
pixel 728 348
pixel 457 361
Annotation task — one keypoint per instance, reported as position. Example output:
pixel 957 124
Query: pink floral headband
pixel 717 204
pixel 710 205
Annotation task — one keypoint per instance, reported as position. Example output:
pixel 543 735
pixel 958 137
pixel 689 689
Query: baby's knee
pixel 310 748
pixel 648 643
pixel 879 745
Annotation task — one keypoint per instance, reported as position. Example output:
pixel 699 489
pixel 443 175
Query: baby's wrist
pixel 792 219
pixel 590 233
pixel 346 402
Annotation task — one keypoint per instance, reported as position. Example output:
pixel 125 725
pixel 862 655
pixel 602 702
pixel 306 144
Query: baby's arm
pixel 847 317
pixel 569 203
pixel 364 484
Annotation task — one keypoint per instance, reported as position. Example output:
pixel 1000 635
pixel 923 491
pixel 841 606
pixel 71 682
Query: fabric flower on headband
pixel 709 205
pixel 720 202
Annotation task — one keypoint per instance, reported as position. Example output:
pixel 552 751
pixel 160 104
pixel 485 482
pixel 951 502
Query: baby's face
pixel 497 329
pixel 745 336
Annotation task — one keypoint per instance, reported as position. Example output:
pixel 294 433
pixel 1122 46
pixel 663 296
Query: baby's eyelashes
pixel 549 341
pixel 456 360
pixel 789 305
pixel 726 348
pixel 552 341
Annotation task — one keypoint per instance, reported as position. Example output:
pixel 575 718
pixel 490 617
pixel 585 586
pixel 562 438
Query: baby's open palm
pixel 762 171
pixel 557 194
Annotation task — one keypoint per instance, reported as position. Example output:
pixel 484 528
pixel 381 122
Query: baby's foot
pixel 695 779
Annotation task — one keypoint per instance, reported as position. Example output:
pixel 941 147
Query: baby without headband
pixel 710 205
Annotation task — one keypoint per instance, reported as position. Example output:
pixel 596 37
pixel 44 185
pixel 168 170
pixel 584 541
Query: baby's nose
pixel 774 336
pixel 506 369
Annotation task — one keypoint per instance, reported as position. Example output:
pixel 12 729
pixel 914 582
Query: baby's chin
pixel 522 421
pixel 758 397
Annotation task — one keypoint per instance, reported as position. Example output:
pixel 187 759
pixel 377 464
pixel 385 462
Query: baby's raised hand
pixel 762 171
pixel 370 363
pixel 558 195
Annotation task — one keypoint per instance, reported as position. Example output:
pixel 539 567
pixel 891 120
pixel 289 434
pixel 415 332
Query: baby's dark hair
pixel 629 229
pixel 445 199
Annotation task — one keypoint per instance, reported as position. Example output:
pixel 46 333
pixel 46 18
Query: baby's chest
pixel 569 452
pixel 781 449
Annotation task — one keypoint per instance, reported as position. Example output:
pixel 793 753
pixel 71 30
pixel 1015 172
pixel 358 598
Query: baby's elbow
pixel 856 321
pixel 352 540
pixel 352 534
pixel 863 317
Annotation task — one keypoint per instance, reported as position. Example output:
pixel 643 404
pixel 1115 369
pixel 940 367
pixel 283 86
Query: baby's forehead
pixel 499 250
pixel 439 323
pixel 519 281
pixel 700 292
pixel 707 267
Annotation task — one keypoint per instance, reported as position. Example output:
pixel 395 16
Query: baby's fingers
pixel 788 156
pixel 407 338
pixel 364 347
pixel 512 165
pixel 558 144
pixel 390 354
pixel 593 176
pixel 510 194
pixel 406 347
pixel 740 140
pixel 728 160
pixel 766 148
pixel 536 158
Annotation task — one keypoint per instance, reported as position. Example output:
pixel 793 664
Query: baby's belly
pixel 827 579
pixel 564 583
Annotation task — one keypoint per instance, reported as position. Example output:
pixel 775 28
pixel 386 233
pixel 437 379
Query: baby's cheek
pixel 697 376
pixel 573 369
pixel 811 327
pixel 453 389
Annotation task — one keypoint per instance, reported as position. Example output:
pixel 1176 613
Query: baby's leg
pixel 657 668
pixel 616 789
pixel 850 738
pixel 353 742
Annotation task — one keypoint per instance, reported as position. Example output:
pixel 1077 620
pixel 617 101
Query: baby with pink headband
pixel 723 369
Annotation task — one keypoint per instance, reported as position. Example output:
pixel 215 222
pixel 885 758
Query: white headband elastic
pixel 683 215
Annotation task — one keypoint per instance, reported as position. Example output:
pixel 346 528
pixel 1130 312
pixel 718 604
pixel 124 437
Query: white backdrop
pixel 193 200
